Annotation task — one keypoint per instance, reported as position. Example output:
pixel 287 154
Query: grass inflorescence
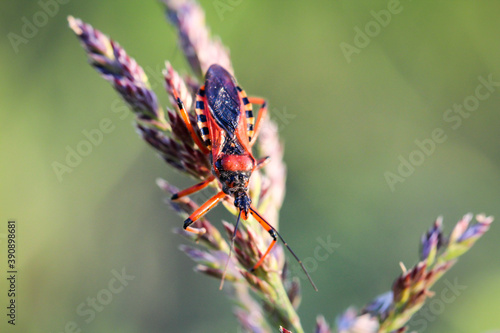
pixel 266 299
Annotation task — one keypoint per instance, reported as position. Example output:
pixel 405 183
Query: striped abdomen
pixel 201 118
pixel 248 113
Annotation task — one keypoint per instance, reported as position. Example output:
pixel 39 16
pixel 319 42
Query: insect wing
pixel 223 100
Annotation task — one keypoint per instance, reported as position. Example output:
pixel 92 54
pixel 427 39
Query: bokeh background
pixel 347 124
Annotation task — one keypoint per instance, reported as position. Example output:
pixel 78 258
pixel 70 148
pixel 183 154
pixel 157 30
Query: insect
pixel 228 131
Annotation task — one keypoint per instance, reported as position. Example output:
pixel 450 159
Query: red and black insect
pixel 228 131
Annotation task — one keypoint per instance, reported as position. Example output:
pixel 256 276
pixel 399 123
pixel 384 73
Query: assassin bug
pixel 228 130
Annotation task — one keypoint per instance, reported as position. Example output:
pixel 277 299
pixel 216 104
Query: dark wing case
pixel 222 98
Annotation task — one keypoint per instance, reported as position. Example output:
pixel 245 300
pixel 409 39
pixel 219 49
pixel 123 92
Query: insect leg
pixel 262 162
pixel 187 121
pixel 260 117
pixel 269 229
pixel 273 232
pixel 193 189
pixel 202 210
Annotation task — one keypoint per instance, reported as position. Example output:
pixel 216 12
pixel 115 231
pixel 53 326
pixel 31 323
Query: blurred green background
pixel 348 124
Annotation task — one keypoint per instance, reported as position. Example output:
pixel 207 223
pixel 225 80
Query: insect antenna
pixel 256 214
pixel 230 250
pixel 298 260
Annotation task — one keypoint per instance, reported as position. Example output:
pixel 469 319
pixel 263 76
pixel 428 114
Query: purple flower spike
pixel 477 230
pixel 380 306
pixel 199 48
pixel 432 240
pixel 321 325
pixel 122 71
